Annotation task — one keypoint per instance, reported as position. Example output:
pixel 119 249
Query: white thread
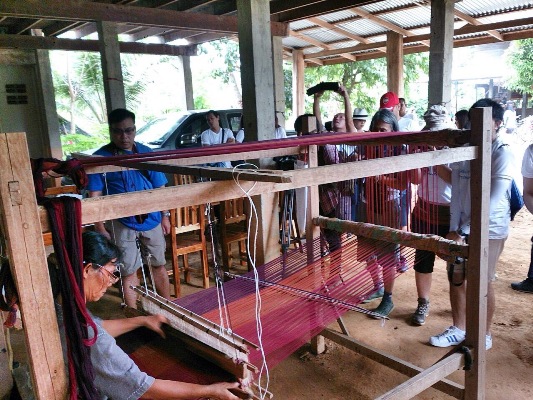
pixel 263 390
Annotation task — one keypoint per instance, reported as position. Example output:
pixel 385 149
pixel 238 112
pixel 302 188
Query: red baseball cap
pixel 388 100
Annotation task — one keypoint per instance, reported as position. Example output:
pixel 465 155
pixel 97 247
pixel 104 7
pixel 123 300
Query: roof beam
pixel 24 26
pixel 48 43
pixel 384 23
pixel 293 10
pixel 465 30
pixel 475 22
pixel 524 34
pixel 77 10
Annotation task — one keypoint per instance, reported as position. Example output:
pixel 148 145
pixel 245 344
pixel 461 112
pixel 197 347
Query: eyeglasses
pixel 127 131
pixel 113 276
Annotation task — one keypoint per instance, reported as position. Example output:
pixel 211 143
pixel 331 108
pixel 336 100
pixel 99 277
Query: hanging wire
pixel 263 390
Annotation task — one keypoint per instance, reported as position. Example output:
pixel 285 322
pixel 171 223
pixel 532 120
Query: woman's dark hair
pixel 215 113
pixel 387 117
pixel 463 120
pixel 98 249
pixel 497 109
pixel 298 123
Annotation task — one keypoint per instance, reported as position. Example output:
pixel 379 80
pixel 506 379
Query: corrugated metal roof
pixel 341 27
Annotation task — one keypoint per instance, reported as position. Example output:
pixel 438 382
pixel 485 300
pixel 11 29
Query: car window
pixel 191 131
pixel 157 131
pixel 234 121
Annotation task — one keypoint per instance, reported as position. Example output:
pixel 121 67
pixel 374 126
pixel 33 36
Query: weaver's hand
pixel 154 323
pixel 225 391
pixel 454 235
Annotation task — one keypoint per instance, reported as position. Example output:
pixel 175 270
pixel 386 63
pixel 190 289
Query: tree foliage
pixel 520 57
pixel 79 90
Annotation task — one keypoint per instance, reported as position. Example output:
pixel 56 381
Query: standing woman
pixel 381 206
pixel 431 214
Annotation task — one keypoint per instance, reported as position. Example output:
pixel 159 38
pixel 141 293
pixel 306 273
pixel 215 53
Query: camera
pixel 334 86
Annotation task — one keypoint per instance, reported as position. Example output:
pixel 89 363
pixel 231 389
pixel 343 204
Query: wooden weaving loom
pixel 20 227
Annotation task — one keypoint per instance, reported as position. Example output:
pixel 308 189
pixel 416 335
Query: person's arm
pixel 455 204
pixel 528 193
pixel 316 110
pixel 164 389
pixel 445 173
pixel 117 327
pixel 99 226
pixel 348 116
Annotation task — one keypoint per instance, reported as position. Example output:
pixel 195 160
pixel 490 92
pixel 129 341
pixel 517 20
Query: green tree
pixel 230 68
pixel 520 57
pixel 79 91
pixel 364 80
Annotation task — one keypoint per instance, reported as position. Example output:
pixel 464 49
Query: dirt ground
pixel 342 374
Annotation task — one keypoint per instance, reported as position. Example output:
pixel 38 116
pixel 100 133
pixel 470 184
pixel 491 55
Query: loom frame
pixel 23 233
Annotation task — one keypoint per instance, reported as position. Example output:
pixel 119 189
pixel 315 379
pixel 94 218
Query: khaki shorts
pixel 152 243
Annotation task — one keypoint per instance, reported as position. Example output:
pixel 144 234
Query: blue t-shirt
pixel 128 181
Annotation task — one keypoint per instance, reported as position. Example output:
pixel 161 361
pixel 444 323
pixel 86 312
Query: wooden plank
pixel 477 273
pixel 25 248
pixel 53 43
pixel 425 379
pixel 433 243
pixel 122 205
pixel 446 386
pixel 293 150
pixel 77 10
pixel 258 175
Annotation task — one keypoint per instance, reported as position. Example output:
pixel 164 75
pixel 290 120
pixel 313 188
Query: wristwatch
pixel 165 214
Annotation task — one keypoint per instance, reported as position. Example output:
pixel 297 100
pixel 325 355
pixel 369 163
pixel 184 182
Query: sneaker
pixel 384 308
pixel 525 286
pixel 402 265
pixel 422 311
pixel 450 337
pixel 376 295
pixel 488 342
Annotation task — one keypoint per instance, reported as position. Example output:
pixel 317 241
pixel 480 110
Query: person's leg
pixel 458 304
pixel 130 297
pixel 153 242
pixel 126 240
pixel 495 250
pixel 526 285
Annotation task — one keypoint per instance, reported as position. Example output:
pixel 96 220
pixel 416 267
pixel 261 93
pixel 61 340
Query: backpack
pixel 516 199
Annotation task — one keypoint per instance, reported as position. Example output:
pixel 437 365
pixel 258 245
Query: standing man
pixel 460 213
pixel 140 236
pixel 407 120
pixel 216 134
pixel 390 101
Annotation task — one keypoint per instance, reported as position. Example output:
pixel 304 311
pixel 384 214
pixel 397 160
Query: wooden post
pixel 25 249
pixel 187 78
pixel 115 96
pixel 279 81
pixel 441 52
pixel 395 62
pixel 318 345
pixel 298 71
pixel 477 275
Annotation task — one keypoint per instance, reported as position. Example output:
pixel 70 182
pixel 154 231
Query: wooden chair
pixel 187 226
pixel 233 229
